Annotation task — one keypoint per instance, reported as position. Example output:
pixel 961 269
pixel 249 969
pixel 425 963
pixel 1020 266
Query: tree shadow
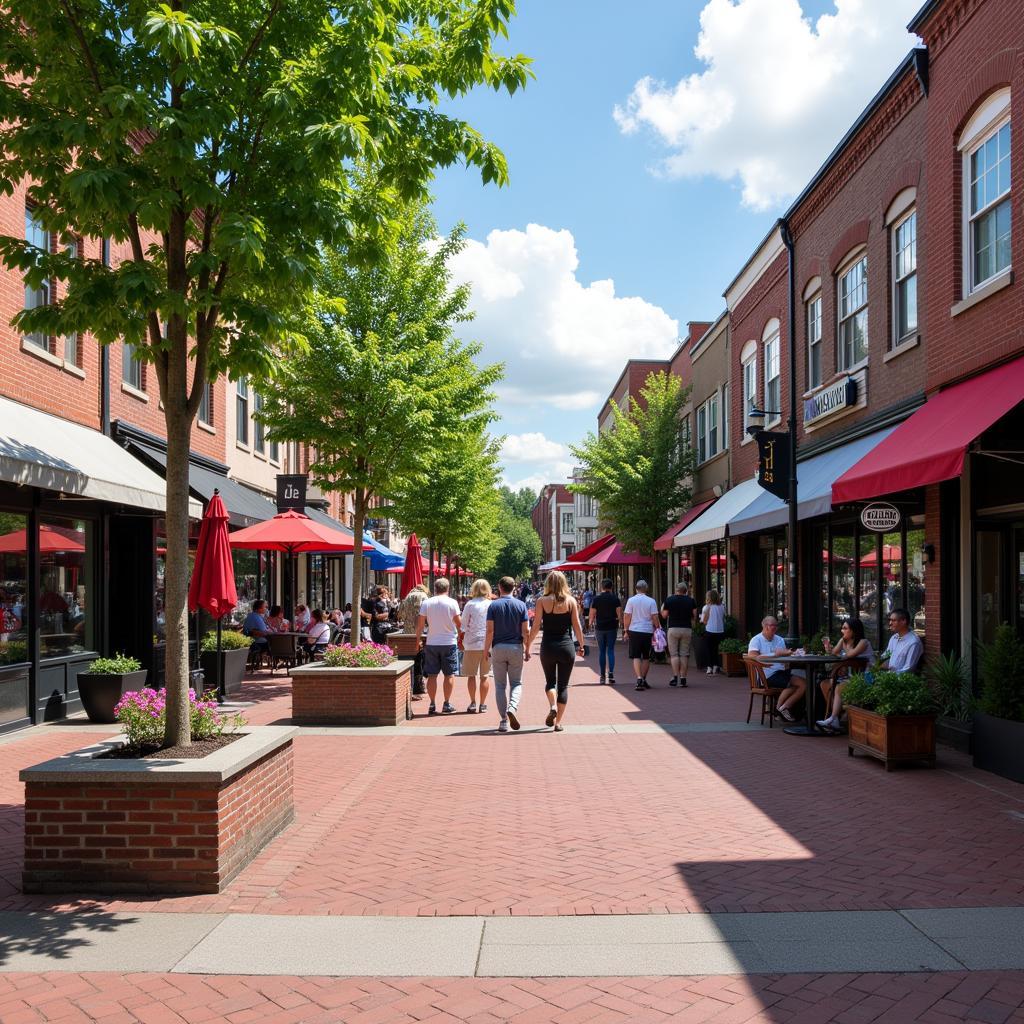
pixel 55 935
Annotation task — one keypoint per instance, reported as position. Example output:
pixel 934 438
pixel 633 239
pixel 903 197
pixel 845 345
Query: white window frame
pixel 897 338
pixel 991 118
pixel 205 414
pixel 242 411
pixel 259 432
pixel 713 445
pixel 771 340
pixel 851 263
pixel 815 339
pixel 73 342
pixel 131 368
pixel 35 298
pixel 702 434
pixel 748 377
pixel 725 417
pixel 708 429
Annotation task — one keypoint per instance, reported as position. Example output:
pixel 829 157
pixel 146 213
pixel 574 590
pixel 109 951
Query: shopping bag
pixel 659 643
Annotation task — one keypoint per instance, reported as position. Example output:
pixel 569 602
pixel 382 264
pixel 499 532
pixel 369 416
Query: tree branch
pixel 94 71
pixel 260 33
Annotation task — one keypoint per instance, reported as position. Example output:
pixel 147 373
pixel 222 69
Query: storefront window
pixel 843 582
pixel 869 595
pixel 316 581
pixel 13 588
pixel 66 619
pixel 916 563
pixel 247 568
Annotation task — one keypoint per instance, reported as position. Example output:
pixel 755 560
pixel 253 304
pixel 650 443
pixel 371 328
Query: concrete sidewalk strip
pixel 443 947
pixel 980 938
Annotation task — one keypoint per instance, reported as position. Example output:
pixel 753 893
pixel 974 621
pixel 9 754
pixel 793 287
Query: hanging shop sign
pixel 880 517
pixel 773 462
pixel 291 492
pixel 830 400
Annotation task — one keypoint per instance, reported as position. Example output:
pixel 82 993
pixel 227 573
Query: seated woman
pixel 276 620
pixel 303 619
pixel 852 644
pixel 319 634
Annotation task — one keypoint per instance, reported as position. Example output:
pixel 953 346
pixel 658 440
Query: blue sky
pixel 648 174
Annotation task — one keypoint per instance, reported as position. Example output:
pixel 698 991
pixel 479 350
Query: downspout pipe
pixel 793 593
pixel 105 361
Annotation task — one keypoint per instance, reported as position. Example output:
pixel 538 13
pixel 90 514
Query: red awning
pixel 585 554
pixel 614 555
pixel 929 447
pixel 664 542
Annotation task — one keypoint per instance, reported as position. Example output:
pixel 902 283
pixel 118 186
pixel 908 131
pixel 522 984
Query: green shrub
pixel 732 627
pixel 364 655
pixel 119 665
pixel 730 645
pixel 230 640
pixel 699 629
pixel 1001 669
pixel 891 693
pixel 13 651
pixel 950 682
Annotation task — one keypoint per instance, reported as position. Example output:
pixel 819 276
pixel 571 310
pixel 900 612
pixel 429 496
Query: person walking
pixel 713 617
pixel 605 621
pixel 640 620
pixel 440 614
pixel 506 644
pixel 679 612
pixel 472 637
pixel 587 600
pixel 557 618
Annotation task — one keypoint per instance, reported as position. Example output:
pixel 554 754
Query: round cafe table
pixel 813 664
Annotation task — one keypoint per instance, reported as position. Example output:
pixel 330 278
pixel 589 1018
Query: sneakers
pixel 503 726
pixel 786 715
pixel 471 710
pixel 447 709
pixel 601 680
pixel 513 719
pixel 432 710
pixel 482 708
pixel 708 671
pixel 639 684
pixel 647 685
pixel 674 681
pixel 550 720
pixel 682 680
pixel 611 680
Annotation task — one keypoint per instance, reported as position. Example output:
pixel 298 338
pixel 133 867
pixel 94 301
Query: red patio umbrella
pixel 213 575
pixel 412 572
pixel 52 539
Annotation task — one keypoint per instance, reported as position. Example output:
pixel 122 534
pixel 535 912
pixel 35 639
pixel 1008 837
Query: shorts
pixel 679 642
pixel 640 645
pixel 784 678
pixel 443 660
pixel 474 663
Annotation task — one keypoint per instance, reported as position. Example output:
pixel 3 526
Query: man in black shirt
pixel 679 611
pixel 605 620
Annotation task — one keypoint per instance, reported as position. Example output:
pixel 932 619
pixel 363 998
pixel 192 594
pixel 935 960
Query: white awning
pixel 711 525
pixel 40 450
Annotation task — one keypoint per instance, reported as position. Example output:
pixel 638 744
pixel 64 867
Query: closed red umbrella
pixel 412 573
pixel 213 575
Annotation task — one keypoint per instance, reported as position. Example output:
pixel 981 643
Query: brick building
pixel 553 519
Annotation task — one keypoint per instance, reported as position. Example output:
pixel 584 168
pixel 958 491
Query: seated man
pixel 794 683
pixel 255 626
pixel 904 650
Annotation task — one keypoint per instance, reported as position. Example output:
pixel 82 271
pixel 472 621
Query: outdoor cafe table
pixel 813 664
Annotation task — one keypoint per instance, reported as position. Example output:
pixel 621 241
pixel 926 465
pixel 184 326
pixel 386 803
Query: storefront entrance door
pixel 999 579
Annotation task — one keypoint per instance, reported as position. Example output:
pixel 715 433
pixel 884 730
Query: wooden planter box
pixel 100 693
pixel 405 645
pixel 352 696
pixel 898 739
pixel 186 826
pixel 999 746
pixel 732 664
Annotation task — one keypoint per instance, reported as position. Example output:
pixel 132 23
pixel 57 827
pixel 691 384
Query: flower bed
pixel 364 655
pixel 377 693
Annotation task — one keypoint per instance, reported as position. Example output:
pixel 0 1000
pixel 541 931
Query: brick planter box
pixel 184 826
pixel 351 696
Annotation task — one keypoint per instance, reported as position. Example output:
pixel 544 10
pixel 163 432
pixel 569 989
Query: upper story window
pixel 206 404
pixel 275 452
pixel 242 410
pixel 985 144
pixel 904 272
pixel 259 433
pixel 853 313
pixel 72 342
pixel 37 235
pixel 567 523
pixel 725 416
pixel 772 373
pixel 131 367
pixel 812 318
pixel 749 367
pixel 707 429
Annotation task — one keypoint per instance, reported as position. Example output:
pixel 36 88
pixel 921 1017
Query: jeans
pixel 606 649
pixel 507 665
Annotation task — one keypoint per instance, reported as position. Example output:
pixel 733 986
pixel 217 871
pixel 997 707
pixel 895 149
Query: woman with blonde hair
pixel 713 617
pixel 474 632
pixel 557 618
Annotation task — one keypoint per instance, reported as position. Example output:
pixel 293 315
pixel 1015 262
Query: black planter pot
pixel 232 669
pixel 100 693
pixel 999 746
pixel 955 734
pixel 701 650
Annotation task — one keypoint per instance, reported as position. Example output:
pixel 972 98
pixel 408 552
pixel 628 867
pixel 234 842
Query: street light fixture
pixel 756 419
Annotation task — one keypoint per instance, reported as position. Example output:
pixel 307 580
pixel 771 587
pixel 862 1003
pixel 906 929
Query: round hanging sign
pixel 880 517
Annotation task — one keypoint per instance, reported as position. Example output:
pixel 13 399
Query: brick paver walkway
pixel 577 823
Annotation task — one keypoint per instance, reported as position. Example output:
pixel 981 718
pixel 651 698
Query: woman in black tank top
pixel 557 617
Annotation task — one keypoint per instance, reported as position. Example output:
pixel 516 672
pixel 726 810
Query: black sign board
pixel 291 491
pixel 773 462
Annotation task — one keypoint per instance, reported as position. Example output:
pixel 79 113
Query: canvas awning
pixel 664 542
pixel 40 450
pixel 712 524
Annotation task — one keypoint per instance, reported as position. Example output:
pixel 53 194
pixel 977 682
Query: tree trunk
pixel 358 518
pixel 177 731
pixel 430 573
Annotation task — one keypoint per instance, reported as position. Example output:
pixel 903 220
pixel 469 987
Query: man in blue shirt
pixel 508 626
pixel 905 648
pixel 255 625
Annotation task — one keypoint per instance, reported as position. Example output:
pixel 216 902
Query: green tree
pixel 383 385
pixel 218 138
pixel 519 503
pixel 639 470
pixel 520 547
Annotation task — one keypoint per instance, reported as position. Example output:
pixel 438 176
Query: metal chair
pixel 283 650
pixel 760 687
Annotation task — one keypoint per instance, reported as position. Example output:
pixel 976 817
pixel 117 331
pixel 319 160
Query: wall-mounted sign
pixel 880 517
pixel 291 491
pixel 773 462
pixel 841 395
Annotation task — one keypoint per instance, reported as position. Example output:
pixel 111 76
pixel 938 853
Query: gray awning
pixel 40 450
pixel 318 516
pixel 244 506
pixel 712 524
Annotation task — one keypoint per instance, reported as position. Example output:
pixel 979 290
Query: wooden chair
pixel 846 667
pixel 759 687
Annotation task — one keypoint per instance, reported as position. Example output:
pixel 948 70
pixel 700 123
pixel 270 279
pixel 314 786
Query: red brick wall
pixel 153 836
pixel 339 698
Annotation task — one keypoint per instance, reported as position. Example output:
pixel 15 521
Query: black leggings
pixel 557 662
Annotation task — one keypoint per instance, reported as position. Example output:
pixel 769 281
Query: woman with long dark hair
pixel 852 644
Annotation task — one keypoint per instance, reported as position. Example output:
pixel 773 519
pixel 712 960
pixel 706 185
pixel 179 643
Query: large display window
pixel 67 618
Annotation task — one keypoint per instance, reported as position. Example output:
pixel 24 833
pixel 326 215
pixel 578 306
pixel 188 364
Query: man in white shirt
pixel 639 621
pixel 765 644
pixel 905 648
pixel 440 614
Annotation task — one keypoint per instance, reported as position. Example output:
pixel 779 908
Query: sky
pixel 657 145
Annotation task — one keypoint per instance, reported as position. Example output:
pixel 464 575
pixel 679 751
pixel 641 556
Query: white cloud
pixel 556 473
pixel 777 92
pixel 533 447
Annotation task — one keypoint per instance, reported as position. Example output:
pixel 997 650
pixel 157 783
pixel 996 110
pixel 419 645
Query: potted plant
pixel 732 651
pixel 891 717
pixel 234 655
pixel 732 628
pixel 949 678
pixel 106 680
pixel 699 645
pixel 999 720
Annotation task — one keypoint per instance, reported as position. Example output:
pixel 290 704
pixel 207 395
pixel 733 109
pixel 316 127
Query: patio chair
pixel 283 650
pixel 759 687
pixel 257 655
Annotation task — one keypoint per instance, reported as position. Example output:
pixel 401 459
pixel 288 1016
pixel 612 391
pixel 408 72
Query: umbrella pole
pixel 220 665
